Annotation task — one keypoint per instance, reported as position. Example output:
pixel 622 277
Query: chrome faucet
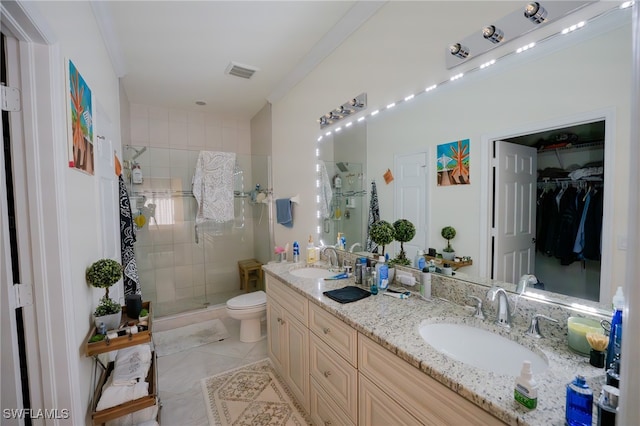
pixel 335 255
pixel 526 281
pixel 504 310
pixel 353 246
pixel 534 327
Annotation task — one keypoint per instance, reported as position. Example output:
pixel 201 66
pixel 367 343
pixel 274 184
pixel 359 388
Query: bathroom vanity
pixel 366 363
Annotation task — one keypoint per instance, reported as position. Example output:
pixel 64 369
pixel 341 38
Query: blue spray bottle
pixel 615 334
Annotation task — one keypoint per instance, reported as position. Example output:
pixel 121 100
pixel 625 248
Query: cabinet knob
pixel 327 373
pixel 327 423
pixel 280 320
pixel 326 330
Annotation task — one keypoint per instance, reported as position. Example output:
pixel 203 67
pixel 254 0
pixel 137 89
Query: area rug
pixel 190 336
pixel 253 394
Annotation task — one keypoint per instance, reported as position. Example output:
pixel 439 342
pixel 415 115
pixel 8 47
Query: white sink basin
pixel 480 348
pixel 312 273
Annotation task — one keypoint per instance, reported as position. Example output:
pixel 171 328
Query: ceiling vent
pixel 239 70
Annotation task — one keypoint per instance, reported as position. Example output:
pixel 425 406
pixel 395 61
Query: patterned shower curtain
pixel 127 239
pixel 374 216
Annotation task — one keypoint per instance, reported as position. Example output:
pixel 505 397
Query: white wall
pixel 79 40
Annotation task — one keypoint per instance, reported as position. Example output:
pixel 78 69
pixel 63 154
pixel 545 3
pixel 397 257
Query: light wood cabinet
pixel 426 399
pixel 288 337
pixel 377 409
pixel 342 377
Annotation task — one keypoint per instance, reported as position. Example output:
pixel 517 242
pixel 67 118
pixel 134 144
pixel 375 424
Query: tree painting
pixel 453 163
pixel 81 141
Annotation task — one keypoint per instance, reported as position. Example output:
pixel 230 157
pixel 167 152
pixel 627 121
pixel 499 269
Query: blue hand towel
pixel 283 212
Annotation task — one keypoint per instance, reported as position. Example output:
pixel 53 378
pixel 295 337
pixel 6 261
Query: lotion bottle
pixel 311 251
pixel 526 388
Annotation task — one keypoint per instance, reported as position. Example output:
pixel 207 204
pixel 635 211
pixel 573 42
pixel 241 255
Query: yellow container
pixel 578 329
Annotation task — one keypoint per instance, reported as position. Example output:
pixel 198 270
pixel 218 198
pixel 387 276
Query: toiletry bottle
pixel 432 266
pixel 311 251
pixel 343 242
pixel 383 275
pixel 373 283
pixel 425 283
pixel 358 272
pixel 615 334
pixel 608 406
pixel 296 252
pixel 579 405
pixel 526 388
pixel 419 261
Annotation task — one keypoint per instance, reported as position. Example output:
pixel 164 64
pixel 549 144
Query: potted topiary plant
pixel 103 274
pixel 448 233
pixel 404 231
pixel 381 233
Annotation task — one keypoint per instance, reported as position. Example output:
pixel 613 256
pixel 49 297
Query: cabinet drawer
pixel 335 375
pixel 324 411
pixel 296 304
pixel 428 400
pixel 377 409
pixel 335 333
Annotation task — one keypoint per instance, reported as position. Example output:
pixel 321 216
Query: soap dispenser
pixel 311 251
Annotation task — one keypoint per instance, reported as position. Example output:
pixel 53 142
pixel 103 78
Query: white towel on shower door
pixel 213 186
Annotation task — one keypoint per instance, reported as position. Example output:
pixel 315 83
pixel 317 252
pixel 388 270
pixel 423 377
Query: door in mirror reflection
pixel 548 208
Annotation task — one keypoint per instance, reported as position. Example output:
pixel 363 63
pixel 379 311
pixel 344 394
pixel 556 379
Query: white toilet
pixel 249 309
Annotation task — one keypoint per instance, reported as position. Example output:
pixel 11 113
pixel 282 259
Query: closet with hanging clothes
pixel 569 216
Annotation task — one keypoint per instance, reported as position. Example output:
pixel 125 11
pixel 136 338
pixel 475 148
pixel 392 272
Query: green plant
pixel 107 307
pixel 103 274
pixel 396 261
pixel 404 231
pixel 143 313
pixel 448 233
pixel 382 233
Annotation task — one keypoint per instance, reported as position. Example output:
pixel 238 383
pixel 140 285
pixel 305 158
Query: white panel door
pixel 514 207
pixel 411 198
pixel 107 185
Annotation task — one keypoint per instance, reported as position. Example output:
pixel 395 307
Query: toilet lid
pixel 248 300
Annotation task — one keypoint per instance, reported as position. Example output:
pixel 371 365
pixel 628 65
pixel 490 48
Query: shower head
pixel 138 152
pixel 342 166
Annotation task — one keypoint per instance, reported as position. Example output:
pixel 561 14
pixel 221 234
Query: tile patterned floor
pixel 179 374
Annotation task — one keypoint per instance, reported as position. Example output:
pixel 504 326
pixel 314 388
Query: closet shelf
pixel 575 146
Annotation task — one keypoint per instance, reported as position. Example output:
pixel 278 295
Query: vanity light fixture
pixel 361 118
pixel 408 98
pixel 456 77
pixel 348 124
pixel 391 105
pixel 459 50
pixel 535 13
pixel 572 28
pixel 626 4
pixel 375 112
pixel 351 107
pixel 493 34
pixel 430 88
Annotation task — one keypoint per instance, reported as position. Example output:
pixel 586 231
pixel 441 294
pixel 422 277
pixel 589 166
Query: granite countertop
pixel 394 323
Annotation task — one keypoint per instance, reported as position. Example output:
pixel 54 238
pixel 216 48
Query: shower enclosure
pixel 183 267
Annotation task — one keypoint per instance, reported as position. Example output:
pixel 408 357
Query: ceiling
pixel 174 53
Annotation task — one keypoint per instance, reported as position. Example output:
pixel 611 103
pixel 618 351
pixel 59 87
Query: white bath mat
pixel 190 336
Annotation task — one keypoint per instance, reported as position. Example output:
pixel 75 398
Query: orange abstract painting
pixel 453 163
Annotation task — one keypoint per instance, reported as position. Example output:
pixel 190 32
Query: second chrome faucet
pixel 503 318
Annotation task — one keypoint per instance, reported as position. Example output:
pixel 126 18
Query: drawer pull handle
pixel 280 320
pixel 327 423
pixel 326 330
pixel 327 373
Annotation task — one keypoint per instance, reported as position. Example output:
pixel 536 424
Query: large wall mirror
pixel 570 91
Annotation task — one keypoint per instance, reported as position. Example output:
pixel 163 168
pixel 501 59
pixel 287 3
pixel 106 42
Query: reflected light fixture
pixel 348 108
pixel 459 50
pixel 535 13
pixel 493 34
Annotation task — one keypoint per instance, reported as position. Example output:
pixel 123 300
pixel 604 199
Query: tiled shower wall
pixel 178 271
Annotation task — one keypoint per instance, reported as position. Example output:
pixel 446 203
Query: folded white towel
pixel 213 186
pixel 116 395
pixel 131 365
